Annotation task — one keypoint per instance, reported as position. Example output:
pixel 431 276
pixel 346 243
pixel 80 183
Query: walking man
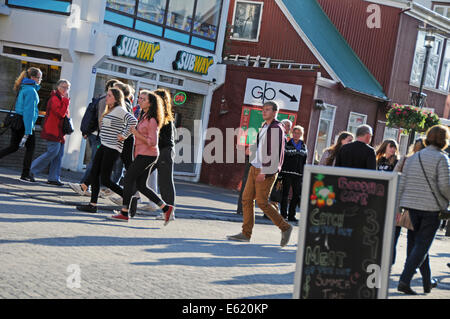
pixel 358 154
pixel 266 162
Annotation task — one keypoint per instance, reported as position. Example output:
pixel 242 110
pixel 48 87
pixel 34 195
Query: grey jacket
pixel 414 191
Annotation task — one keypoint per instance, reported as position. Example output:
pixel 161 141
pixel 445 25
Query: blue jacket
pixel 27 104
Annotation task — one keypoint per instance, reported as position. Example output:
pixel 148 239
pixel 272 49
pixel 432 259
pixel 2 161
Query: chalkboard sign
pixel 251 117
pixel 346 233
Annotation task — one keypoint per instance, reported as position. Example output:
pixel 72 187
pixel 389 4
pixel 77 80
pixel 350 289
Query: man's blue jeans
pixel 53 158
pixel 425 225
pixel 94 143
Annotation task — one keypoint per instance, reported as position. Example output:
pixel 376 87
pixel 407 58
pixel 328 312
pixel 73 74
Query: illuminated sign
pixel 135 49
pixel 179 98
pixel 189 62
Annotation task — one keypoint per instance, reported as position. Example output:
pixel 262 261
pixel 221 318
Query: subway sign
pixel 190 62
pixel 135 49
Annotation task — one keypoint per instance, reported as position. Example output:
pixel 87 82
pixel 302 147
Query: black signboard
pixel 346 229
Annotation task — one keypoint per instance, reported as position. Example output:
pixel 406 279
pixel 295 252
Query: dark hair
pixel 125 88
pixel 110 84
pixel 28 73
pixel 120 100
pixel 438 136
pixel 334 149
pixel 167 100
pixel 381 150
pixel 156 109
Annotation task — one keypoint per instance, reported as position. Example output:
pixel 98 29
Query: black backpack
pixel 89 123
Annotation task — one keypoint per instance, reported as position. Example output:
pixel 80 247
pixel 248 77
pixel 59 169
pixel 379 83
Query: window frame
pixel 330 130
pixel 445 6
pixel 259 23
pixel 41 10
pixel 164 26
pixel 355 113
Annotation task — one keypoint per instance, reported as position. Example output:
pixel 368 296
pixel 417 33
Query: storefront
pixel 89 43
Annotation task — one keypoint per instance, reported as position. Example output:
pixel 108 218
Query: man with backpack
pixel 90 125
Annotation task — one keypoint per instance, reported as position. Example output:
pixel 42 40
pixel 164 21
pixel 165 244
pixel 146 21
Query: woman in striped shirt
pixel 116 125
pixel 146 152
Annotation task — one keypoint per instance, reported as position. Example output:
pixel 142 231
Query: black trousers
pixel 136 179
pixel 127 152
pixel 16 137
pixel 294 181
pixel 101 172
pixel 164 165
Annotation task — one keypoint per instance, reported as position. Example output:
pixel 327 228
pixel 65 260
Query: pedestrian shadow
pixel 267 279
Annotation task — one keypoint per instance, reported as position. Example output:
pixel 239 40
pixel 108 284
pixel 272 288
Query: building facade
pixel 173 44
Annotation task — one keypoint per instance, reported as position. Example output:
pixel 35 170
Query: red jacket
pixel 57 109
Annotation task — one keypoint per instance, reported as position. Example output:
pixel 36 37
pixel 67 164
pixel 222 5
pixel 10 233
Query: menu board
pixel 251 121
pixel 346 233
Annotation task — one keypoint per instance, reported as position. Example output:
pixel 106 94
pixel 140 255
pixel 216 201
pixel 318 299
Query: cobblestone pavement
pixel 45 243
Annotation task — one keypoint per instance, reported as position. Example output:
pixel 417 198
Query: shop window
pixel 169 19
pixel 207 18
pixel 113 67
pixel 247 20
pixel 171 80
pixel 179 15
pixel 355 120
pixel 152 10
pixel 143 74
pixel 52 6
pixel 444 81
pixel 126 6
pixel 326 122
pixel 433 62
pixel 31 53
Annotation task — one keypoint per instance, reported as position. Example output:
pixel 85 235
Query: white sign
pixel 257 92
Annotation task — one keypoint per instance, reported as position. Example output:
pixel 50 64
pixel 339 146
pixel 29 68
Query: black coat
pixel 294 160
pixel 356 155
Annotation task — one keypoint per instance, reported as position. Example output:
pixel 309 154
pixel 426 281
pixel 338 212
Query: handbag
pixel 276 194
pixel 402 219
pixel 67 127
pixel 13 120
pixel 443 213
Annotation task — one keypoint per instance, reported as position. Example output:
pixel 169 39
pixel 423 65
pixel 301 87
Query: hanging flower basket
pixel 410 118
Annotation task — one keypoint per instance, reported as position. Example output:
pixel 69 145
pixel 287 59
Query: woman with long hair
pixel 387 155
pixel 424 190
pixel 146 152
pixel 166 144
pixel 27 87
pixel 116 125
pixel 329 155
pixel 52 132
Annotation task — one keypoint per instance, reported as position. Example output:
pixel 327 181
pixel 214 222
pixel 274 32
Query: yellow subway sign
pixel 190 62
pixel 135 49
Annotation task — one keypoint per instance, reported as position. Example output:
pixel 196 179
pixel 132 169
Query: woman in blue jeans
pixel 52 131
pixel 424 190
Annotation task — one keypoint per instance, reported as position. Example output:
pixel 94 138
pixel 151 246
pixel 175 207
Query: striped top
pixel 118 121
pixel 414 191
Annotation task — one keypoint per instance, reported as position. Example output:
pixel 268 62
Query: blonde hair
pixel 164 94
pixel 27 73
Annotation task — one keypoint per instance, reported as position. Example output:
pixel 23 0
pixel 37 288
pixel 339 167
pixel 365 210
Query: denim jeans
pixel 53 158
pixel 425 225
pixel 94 143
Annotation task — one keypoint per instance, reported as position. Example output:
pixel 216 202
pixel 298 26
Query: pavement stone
pixel 43 236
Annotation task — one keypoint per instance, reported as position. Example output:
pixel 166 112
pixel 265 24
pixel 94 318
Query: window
pixel 325 130
pixel 247 20
pixel 355 120
pixel 443 10
pixel 391 133
pixel 152 10
pixel 207 17
pixel 192 22
pixel 433 62
pixel 52 6
pixel 444 80
pixel 179 15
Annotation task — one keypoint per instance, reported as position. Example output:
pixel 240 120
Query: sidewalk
pixel 217 268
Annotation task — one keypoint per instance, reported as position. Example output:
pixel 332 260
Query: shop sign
pixel 179 98
pixel 135 49
pixel 190 62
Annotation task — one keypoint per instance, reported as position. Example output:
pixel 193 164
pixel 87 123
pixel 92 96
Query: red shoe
pixel 118 217
pixel 168 216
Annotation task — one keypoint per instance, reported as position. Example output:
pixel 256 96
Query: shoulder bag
pixel 443 213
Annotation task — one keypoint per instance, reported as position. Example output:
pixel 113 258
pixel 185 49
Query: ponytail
pixel 28 73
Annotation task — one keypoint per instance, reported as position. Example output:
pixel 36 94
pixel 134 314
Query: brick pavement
pixel 190 258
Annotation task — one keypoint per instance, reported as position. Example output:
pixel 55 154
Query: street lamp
pixel 418 98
